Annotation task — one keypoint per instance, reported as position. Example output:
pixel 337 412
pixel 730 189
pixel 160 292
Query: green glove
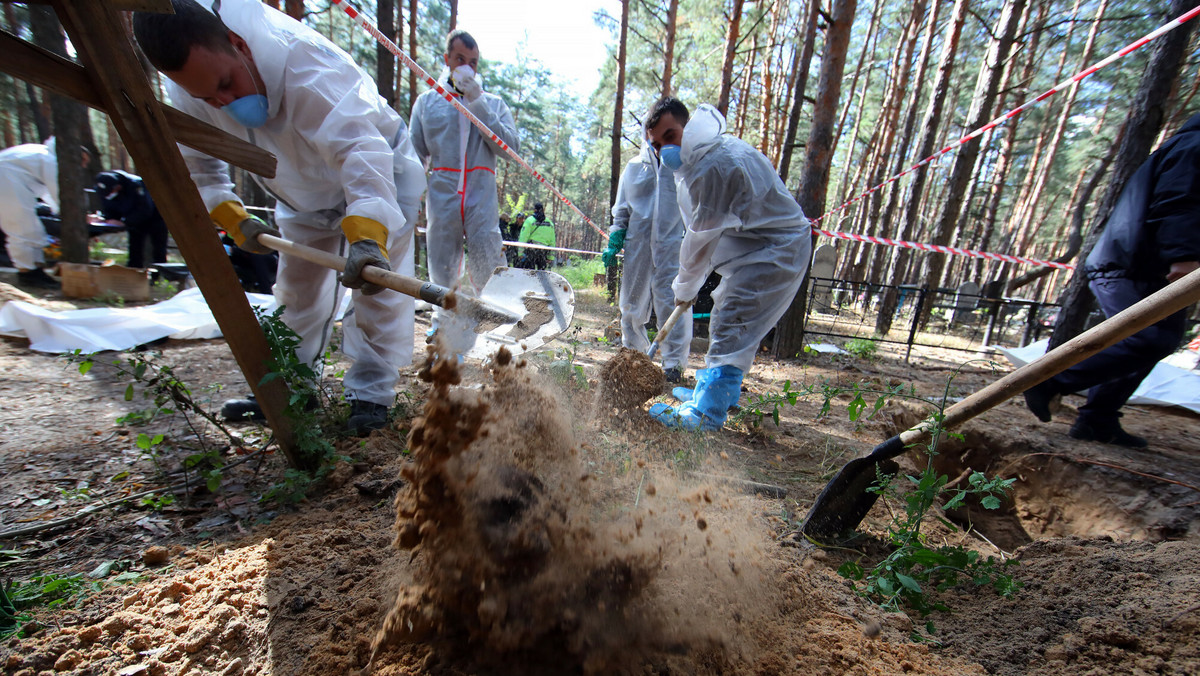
pixel 616 242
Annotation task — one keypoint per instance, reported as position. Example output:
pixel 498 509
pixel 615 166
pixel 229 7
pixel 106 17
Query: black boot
pixel 1043 400
pixel 242 410
pixel 366 417
pixel 1105 431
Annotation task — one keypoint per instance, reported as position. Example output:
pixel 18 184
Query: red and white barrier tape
pixel 370 28
pixel 1165 28
pixel 534 245
pixel 970 253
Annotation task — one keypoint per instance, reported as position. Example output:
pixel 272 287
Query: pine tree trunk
pixel 805 61
pixel 295 9
pixel 453 14
pixel 412 53
pixel 731 39
pixel 818 156
pixel 933 118
pixel 1142 125
pixel 618 110
pixel 669 51
pixel 69 120
pixel 982 103
pixel 385 63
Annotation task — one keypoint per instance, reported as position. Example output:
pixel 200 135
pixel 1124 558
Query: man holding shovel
pixel 348 181
pixel 742 222
pixel 1151 239
pixel 648 225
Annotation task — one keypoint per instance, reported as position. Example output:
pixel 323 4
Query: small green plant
pixel 77 493
pixel 157 502
pixel 563 367
pixel 18 598
pixel 150 448
pixel 863 348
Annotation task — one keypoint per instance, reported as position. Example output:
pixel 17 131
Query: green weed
pixel 863 348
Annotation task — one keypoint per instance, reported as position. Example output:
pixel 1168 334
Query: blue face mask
pixel 248 111
pixel 670 156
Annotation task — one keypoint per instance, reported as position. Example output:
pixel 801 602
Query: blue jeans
pixel 1112 375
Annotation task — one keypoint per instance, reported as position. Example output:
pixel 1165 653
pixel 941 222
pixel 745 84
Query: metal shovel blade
pixel 542 301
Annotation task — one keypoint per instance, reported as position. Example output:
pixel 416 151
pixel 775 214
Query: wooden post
pixel 96 31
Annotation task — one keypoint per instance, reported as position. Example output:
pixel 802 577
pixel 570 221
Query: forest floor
pixel 656 563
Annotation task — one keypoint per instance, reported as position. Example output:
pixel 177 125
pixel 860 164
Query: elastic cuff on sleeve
pixel 358 228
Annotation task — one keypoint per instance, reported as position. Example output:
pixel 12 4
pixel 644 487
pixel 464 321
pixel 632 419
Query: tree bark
pixel 669 51
pixel 933 118
pixel 1145 119
pixel 731 38
pixel 618 111
pixel 818 155
pixel 805 61
pixel 385 62
pixel 69 120
pixel 295 9
pixel 982 103
pixel 412 52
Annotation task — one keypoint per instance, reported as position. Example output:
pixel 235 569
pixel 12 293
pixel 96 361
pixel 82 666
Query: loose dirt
pixel 629 380
pixel 593 546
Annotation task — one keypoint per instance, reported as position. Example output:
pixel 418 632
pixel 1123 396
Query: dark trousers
pixel 156 231
pixel 535 259
pixel 1112 375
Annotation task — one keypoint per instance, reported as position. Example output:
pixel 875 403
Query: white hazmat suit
pixel 646 208
pixel 342 152
pixel 743 223
pixel 461 204
pixel 27 172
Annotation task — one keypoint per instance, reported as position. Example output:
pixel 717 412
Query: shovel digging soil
pixel 631 378
pixel 845 500
pixel 518 310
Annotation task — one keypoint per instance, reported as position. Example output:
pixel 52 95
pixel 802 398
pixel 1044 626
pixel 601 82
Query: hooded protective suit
pixel 342 152
pixel 461 203
pixel 27 172
pixel 646 208
pixel 743 223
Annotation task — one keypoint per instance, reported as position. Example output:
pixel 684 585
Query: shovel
pixel 845 500
pixel 666 328
pixel 517 309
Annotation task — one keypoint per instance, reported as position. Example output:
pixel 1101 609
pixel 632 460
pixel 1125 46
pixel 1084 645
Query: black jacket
pixel 1156 221
pixel 132 205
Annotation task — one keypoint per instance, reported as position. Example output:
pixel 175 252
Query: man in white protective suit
pixel 461 205
pixel 742 222
pixel 28 172
pixel 647 223
pixel 347 180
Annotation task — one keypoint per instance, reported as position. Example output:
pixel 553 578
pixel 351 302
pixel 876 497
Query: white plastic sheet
pixel 185 316
pixel 1173 382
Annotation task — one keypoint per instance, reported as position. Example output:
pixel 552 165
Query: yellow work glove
pixel 366 237
pixel 242 227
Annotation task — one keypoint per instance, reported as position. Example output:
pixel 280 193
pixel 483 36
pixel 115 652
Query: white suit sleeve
pixel 621 210
pixel 494 112
pixel 49 189
pixel 417 129
pixel 710 198
pixel 332 106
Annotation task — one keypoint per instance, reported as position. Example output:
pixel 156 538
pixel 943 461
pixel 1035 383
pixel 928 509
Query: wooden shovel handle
pixel 1149 310
pixel 676 314
pixel 409 286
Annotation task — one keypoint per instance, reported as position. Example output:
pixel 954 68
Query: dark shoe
pixel 674 375
pixel 1106 433
pixel 242 410
pixel 1043 400
pixel 36 278
pixel 366 417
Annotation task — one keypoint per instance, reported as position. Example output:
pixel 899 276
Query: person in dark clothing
pixel 127 201
pixel 1152 238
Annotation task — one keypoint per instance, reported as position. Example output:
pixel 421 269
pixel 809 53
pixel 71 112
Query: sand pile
pixel 629 380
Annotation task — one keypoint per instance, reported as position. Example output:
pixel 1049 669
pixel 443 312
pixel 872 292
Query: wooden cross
pixel 111 80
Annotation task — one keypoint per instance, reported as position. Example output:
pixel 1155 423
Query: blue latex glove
pixel 717 390
pixel 616 242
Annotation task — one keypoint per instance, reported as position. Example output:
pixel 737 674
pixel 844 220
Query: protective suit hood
pixel 257 26
pixel 701 134
pixel 646 155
